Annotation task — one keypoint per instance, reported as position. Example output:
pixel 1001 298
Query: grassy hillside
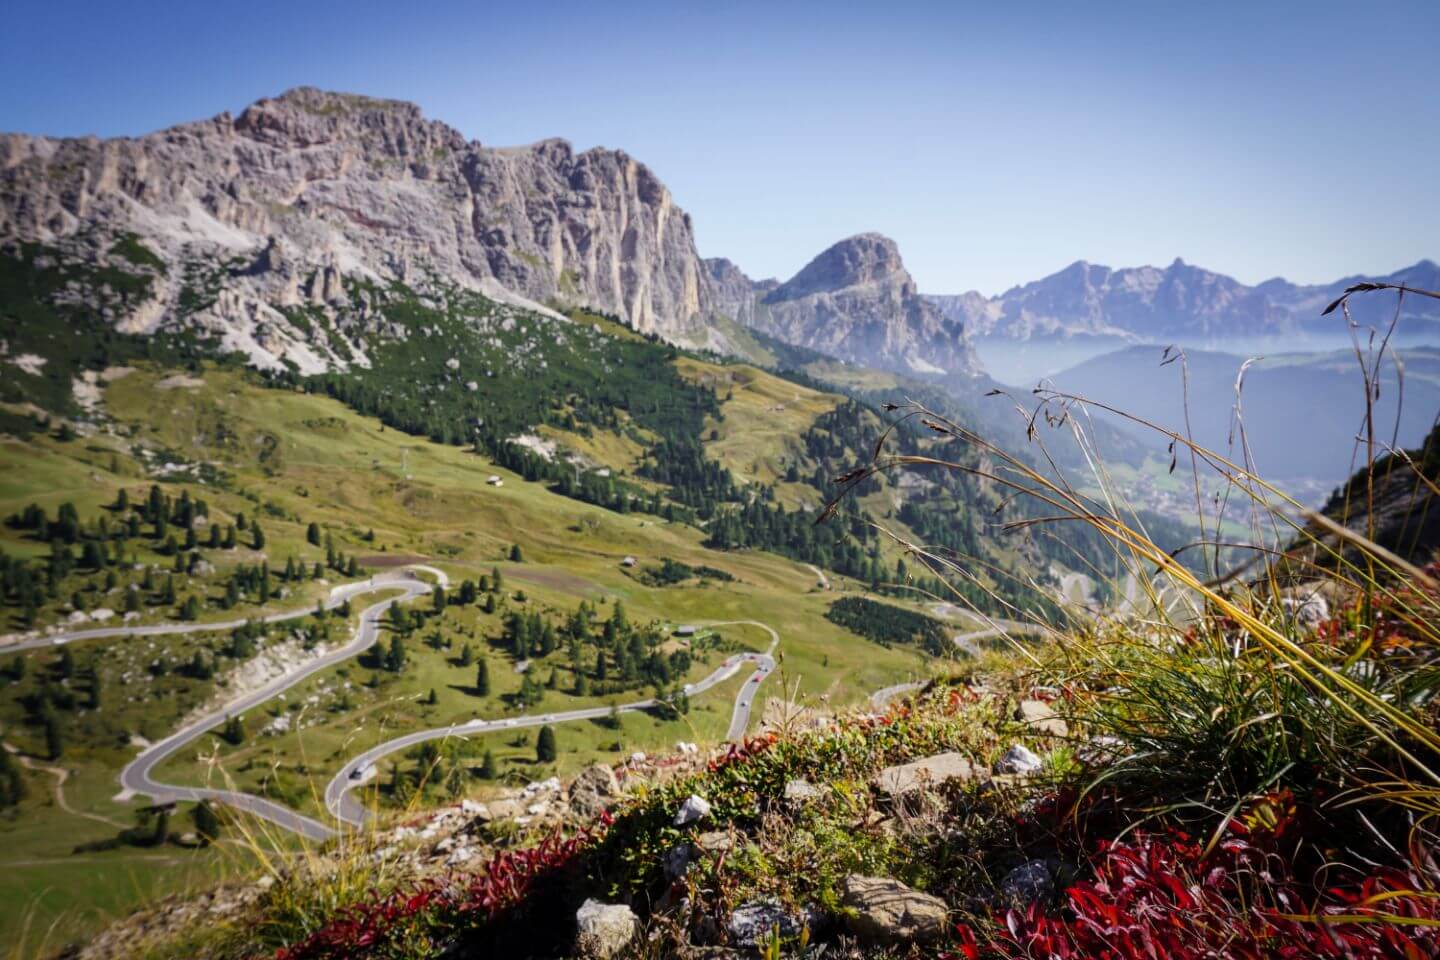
pixel 291 459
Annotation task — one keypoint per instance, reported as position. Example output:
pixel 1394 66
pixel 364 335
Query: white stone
pixel 693 809
pixel 1020 760
pixel 604 929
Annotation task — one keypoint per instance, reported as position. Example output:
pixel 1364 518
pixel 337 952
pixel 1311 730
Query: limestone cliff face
pixel 735 294
pixel 856 301
pixel 312 187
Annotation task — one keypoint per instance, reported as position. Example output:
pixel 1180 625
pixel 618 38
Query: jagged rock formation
pixel 308 195
pixel 735 294
pixel 856 301
pixel 1178 302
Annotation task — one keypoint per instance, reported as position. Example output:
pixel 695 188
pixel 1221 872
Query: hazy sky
pixel 1255 139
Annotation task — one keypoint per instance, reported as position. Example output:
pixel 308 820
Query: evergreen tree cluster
pixel 888 624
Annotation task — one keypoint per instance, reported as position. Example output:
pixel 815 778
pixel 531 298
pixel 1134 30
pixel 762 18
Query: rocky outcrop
pixel 886 912
pixel 903 780
pixel 856 302
pixel 735 294
pixel 303 195
pixel 603 929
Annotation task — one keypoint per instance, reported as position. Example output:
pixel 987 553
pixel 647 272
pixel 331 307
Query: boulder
pixel 593 790
pixel 752 922
pixel 504 809
pixel 1032 880
pixel 603 929
pixel 677 861
pixel 800 792
pixel 1308 610
pixel 1019 760
pixel 886 912
pixel 693 809
pixel 715 841
pixel 908 778
pixel 1041 718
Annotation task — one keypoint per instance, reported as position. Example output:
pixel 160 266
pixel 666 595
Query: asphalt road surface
pixel 337 596
pixel 136 776
pixel 361 769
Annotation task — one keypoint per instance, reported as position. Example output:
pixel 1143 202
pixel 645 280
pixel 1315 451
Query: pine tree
pixel 162 827
pixel 437 598
pixel 207 822
pixel 467 655
pixel 312 534
pixel 257 537
pixel 234 732
pixel 487 766
pixel 395 657
pixel 545 745
pixel 515 555
pixel 482 679
pixel 12 783
pixel 54 737
pixel 432 699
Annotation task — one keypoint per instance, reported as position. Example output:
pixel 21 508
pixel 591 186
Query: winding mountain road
pixel 361 769
pixel 136 777
pixel 337 596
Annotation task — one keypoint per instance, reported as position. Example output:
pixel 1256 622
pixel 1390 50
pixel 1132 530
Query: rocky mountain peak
pixel 865 258
pixel 357 189
pixel 857 302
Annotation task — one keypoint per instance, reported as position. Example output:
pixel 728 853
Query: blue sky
pixel 995 145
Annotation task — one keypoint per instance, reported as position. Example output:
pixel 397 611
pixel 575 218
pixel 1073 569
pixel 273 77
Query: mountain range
pixel 302 192
pixel 312 202
pixel 1178 302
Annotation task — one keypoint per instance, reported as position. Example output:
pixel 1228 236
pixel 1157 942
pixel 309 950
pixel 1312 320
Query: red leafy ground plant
pixel 405 923
pixel 1163 896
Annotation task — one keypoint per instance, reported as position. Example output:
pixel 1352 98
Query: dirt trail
pixel 61 775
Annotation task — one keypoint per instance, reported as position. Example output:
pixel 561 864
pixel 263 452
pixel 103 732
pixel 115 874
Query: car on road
pixel 362 771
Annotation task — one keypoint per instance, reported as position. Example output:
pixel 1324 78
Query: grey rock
pixel 693 809
pixel 593 790
pixel 800 792
pixel 504 809
pixel 715 841
pixel 1040 717
pixel 1308 610
pixel 887 912
pixel 751 923
pixel 677 860
pixel 1019 760
pixel 603 930
pixel 907 778
pixel 1032 880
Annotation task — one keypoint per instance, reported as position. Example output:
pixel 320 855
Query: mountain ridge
pixel 854 301
pixel 1179 301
